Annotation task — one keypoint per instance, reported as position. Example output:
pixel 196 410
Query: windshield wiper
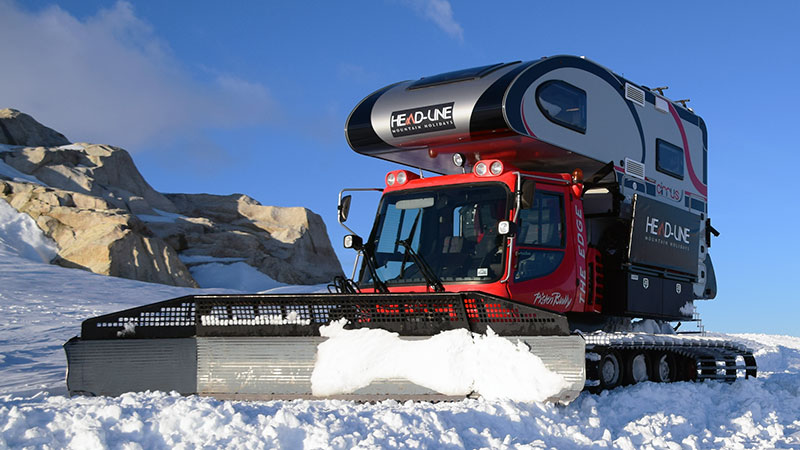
pixel 370 261
pixel 424 268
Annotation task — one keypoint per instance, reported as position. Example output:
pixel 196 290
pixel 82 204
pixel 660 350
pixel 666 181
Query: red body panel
pixel 566 289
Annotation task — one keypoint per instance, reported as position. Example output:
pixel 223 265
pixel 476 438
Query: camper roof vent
pixel 634 94
pixel 634 168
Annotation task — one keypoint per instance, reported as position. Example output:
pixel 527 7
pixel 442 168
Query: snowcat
pixel 563 204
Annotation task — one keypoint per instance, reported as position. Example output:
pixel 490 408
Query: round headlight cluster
pixel 398 177
pixel 490 168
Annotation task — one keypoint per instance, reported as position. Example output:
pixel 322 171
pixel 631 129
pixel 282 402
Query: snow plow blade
pixel 265 346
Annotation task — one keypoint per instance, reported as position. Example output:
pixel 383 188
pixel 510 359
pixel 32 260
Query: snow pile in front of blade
pixel 20 235
pixel 454 362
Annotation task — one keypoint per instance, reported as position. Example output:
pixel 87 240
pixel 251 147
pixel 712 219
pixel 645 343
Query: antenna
pixel 683 102
pixel 660 89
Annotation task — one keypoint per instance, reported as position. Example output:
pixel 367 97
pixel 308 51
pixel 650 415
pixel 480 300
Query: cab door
pixel 543 269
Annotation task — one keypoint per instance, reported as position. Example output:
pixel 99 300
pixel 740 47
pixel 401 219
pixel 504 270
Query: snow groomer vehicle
pixel 563 206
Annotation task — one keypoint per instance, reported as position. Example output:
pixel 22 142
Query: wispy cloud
pixel 110 79
pixel 441 13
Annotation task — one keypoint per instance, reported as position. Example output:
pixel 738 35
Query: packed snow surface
pixel 41 306
pixel 237 275
pixel 455 362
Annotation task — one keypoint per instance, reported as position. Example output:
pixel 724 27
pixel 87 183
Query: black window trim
pixel 555 120
pixel 664 170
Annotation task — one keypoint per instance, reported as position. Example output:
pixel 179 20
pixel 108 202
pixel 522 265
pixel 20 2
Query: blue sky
pixel 251 97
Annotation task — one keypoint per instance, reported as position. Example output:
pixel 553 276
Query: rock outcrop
pixel 101 171
pixel 18 128
pixel 95 236
pixel 106 218
pixel 290 245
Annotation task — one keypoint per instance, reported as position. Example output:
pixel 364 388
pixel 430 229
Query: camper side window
pixel 563 103
pixel 669 159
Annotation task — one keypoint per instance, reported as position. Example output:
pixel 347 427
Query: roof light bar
pixel 490 168
pixel 400 177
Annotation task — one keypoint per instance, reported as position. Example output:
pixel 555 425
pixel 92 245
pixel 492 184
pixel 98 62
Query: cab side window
pixel 542 237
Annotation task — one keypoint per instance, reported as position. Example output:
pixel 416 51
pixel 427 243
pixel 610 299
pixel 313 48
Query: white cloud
pixel 110 79
pixel 441 13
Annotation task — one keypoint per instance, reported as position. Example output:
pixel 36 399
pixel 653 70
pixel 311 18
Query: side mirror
pixel 344 208
pixel 353 241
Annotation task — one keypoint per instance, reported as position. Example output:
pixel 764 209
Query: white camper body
pixel 551 115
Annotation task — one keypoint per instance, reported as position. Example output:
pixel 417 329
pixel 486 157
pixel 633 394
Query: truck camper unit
pixel 645 158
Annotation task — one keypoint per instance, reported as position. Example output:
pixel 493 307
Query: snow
pixel 651 327
pixel 13 174
pixel 455 362
pixel 238 275
pixel 292 318
pixel 41 306
pixel 197 259
pixel 163 217
pixel 688 309
pixel 71 147
pixel 20 234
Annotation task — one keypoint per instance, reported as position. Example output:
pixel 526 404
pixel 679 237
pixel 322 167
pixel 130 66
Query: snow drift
pixel 454 362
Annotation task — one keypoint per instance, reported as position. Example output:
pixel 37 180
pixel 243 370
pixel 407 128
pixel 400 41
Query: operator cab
pixel 504 232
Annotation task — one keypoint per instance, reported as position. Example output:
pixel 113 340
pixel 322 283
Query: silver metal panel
pixel 565 355
pixel 256 365
pixel 464 95
pixel 273 366
pixel 113 367
pixel 281 367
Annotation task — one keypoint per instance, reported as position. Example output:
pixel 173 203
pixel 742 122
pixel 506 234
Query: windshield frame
pixel 364 280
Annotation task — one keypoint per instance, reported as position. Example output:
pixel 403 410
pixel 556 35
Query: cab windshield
pixel 453 229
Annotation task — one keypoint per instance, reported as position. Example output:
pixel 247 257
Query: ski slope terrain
pixel 42 306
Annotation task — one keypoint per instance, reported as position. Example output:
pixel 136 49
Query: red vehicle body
pixel 571 287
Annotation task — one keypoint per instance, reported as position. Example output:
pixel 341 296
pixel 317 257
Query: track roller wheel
pixel 663 368
pixel 637 367
pixel 609 370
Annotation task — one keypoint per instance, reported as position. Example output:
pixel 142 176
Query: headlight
pixel 496 168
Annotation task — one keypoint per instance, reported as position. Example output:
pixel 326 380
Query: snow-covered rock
pixel 105 217
pixel 92 235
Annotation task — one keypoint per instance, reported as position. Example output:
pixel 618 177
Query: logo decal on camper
pixel 676 195
pixel 667 233
pixel 424 119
